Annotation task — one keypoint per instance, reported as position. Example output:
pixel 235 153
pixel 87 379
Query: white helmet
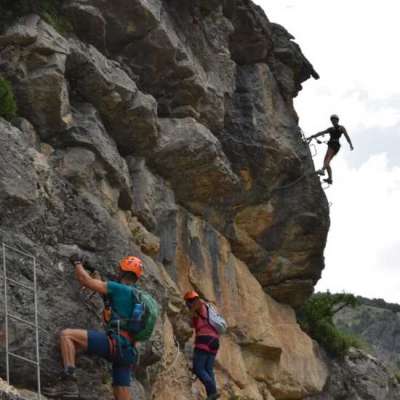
pixel 335 116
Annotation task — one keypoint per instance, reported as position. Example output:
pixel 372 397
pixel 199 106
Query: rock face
pixel 7 392
pixel 165 131
pixel 360 377
pixel 378 325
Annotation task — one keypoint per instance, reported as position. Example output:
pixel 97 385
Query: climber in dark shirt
pixel 335 132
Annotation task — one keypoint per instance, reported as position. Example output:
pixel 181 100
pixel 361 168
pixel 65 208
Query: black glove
pixel 88 266
pixel 78 259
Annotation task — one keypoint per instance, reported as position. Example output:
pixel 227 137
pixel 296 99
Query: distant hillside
pixel 380 303
pixel 378 324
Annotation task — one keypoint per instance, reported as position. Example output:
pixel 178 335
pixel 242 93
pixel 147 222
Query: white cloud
pixel 363 252
pixel 353 45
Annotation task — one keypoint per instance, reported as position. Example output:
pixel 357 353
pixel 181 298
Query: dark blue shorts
pixel 99 344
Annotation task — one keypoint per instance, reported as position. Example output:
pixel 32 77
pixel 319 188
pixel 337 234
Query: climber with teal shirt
pixel 117 343
pixel 335 132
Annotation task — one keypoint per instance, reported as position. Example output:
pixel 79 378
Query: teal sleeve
pixel 111 287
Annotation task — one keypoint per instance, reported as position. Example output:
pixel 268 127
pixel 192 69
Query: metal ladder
pixel 9 316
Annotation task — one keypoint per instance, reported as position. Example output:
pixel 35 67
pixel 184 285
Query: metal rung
pixel 20 284
pixel 21 320
pixel 23 358
pixel 18 251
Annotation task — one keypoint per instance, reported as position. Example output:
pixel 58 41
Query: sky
pixel 353 45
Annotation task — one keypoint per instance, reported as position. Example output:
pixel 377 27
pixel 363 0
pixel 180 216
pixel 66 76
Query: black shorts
pixel 334 145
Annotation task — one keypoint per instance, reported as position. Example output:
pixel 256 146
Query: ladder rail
pixel 8 315
pixel 35 294
pixel 14 282
pixel 24 321
pixel 10 353
pixel 23 253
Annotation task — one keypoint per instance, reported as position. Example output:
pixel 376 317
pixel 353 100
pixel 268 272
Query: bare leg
pixel 329 169
pixel 72 340
pixel 328 158
pixel 121 393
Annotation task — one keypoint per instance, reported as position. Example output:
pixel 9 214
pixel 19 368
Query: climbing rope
pixel 167 369
pixel 260 145
pixel 171 367
pixel 264 146
pixel 293 183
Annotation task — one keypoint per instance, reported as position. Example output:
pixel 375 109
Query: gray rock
pixel 127 21
pixel 88 131
pixel 251 41
pixel 129 115
pixel 187 69
pixel 18 183
pixel 289 64
pixel 36 68
pixel 88 22
pixel 23 33
pixel 27 128
pixel 378 326
pixel 189 148
pixel 359 377
pixel 153 197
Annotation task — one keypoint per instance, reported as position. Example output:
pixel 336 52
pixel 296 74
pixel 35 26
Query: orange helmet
pixel 191 295
pixel 132 264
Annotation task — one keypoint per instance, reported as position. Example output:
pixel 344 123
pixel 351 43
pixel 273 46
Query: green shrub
pixel 8 106
pixel 316 318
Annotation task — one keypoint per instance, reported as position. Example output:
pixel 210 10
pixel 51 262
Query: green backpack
pixel 151 313
pixel 140 326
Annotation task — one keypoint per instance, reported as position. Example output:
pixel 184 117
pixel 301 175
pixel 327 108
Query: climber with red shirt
pixel 206 344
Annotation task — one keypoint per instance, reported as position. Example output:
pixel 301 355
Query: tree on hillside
pixel 316 318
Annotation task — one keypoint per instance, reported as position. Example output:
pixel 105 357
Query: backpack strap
pixel 114 316
pixel 207 318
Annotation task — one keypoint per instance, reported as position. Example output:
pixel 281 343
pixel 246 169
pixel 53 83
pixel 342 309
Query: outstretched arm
pixel 319 134
pixel 346 135
pixel 87 281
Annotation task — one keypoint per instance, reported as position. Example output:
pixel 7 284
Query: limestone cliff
pixel 165 129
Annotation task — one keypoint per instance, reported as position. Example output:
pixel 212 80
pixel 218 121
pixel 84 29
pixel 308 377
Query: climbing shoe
pixel 321 172
pixel 65 388
pixel 328 181
pixel 214 396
